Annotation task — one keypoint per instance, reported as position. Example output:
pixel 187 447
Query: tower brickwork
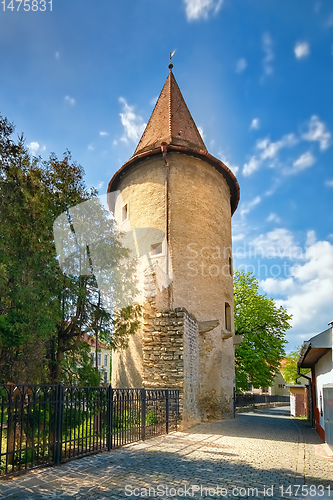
pixel 178 201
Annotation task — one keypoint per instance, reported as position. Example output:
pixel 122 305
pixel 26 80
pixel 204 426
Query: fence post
pixel 110 417
pixel 10 452
pixel 58 423
pixel 167 411
pixel 143 414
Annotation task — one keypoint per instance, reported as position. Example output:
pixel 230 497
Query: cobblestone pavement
pixel 264 449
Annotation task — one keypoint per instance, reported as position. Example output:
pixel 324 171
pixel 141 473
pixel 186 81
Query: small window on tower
pixel 230 266
pixel 124 213
pixel 227 317
pixel 156 249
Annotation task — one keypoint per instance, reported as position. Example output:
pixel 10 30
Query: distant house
pixel 316 354
pixel 278 388
pixel 103 357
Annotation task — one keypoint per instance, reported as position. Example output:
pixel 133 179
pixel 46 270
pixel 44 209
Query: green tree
pixel 77 367
pixel 27 306
pixel 289 367
pixel 43 310
pixel 263 326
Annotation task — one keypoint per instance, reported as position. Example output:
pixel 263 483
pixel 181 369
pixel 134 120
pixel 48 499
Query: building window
pixel 105 360
pixel 124 213
pixel 92 354
pixel 230 266
pixel 99 359
pixel 156 249
pixel 227 316
pixel 105 377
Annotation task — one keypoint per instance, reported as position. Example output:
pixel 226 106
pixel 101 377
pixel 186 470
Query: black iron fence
pixel 243 400
pixel 50 424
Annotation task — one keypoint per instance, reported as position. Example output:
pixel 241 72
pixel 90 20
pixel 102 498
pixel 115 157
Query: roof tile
pixel 170 122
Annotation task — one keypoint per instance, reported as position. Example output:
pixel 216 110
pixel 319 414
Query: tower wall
pixel 200 245
pixel 199 237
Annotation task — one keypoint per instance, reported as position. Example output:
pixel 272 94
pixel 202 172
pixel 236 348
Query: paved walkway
pixel 259 454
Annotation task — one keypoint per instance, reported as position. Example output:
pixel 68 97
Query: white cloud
pixel 133 124
pixel 70 100
pixel 270 149
pixel 91 147
pixel 246 207
pixel 238 237
pixel 307 290
pixel 103 133
pixel 317 132
pixel 234 168
pixel 198 9
pixel 241 65
pixel 310 238
pixel 251 166
pixel 267 45
pixel 329 183
pixel 201 132
pixel 57 55
pixel 273 217
pixel 312 299
pixel 255 124
pixel 34 147
pixel 100 185
pixel 224 157
pixel 302 49
pixel 277 286
pixel 329 22
pixel 279 243
pixel 153 101
pixel 306 160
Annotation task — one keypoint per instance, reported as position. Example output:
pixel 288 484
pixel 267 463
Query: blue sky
pixel 257 76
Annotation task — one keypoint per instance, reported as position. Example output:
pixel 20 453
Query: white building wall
pixel 324 375
pixel 102 367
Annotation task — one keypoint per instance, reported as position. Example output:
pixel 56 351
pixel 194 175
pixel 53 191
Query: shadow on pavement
pixel 131 473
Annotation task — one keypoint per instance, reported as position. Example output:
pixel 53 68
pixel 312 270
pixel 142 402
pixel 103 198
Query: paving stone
pixel 261 452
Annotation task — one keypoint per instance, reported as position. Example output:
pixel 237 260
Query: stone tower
pixel 176 201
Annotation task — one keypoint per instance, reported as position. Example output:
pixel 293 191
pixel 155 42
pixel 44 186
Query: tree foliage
pixel 43 310
pixel 289 367
pixel 263 326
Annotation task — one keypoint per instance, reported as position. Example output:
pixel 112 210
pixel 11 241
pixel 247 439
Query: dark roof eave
pixel 305 347
pixel 217 164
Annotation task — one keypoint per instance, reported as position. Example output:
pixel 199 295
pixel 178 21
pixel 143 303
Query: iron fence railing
pixel 50 424
pixel 242 400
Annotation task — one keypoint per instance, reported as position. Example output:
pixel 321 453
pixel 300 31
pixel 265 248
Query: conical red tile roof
pixel 171 122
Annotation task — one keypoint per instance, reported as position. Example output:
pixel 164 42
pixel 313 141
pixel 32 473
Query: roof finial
pixel 171 56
